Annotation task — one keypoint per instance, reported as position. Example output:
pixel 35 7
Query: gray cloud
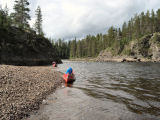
pixel 69 18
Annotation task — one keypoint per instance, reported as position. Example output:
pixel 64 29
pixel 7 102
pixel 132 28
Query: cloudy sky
pixel 69 18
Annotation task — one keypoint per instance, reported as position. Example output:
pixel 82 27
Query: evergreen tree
pixel 137 27
pixel 124 30
pixel 129 30
pixel 111 36
pixel 73 49
pixel 89 46
pixel 4 18
pixel 142 23
pixel 116 39
pixel 94 47
pixel 79 49
pixel 158 21
pixel 153 21
pixel 6 10
pixel 38 23
pixel 148 23
pixel 21 14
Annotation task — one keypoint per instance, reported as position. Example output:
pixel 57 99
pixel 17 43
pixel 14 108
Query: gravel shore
pixel 22 89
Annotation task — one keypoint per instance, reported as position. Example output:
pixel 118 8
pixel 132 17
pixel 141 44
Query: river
pixel 105 91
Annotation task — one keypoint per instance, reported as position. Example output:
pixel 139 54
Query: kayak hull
pixel 54 65
pixel 69 78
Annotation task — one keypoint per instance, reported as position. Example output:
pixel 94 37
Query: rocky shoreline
pixel 116 59
pixel 22 89
pixel 124 59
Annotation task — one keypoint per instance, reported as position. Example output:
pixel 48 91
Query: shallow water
pixel 106 91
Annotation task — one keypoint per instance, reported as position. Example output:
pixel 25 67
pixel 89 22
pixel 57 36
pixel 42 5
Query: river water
pixel 106 91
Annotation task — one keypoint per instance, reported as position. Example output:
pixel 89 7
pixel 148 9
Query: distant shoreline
pixel 115 59
pixel 23 89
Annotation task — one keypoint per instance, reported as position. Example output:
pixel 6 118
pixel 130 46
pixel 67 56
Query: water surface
pixel 106 91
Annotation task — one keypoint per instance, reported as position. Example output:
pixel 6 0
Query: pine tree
pixel 129 30
pixel 73 49
pixel 142 23
pixel 153 20
pixel 38 23
pixel 158 21
pixel 111 36
pixel 94 46
pixel 4 18
pixel 79 49
pixel 21 14
pixel 116 39
pixel 148 22
pixel 124 30
pixel 6 10
pixel 137 27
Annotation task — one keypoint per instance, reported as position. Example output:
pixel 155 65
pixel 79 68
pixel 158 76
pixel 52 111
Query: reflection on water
pixel 109 91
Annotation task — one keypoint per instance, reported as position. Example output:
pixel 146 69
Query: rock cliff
pixel 144 49
pixel 19 47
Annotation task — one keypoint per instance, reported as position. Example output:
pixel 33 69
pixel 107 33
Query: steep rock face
pixel 20 47
pixel 156 52
pixel 140 47
pixel 146 48
pixel 155 46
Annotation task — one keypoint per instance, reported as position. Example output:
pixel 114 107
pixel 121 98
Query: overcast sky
pixel 69 18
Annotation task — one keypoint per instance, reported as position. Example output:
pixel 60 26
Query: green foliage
pixel 62 48
pixel 21 14
pixel 156 39
pixel 73 48
pixel 117 40
pixel 4 19
pixel 38 23
pixel 19 44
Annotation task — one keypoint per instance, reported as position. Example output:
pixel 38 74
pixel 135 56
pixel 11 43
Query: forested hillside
pixel 19 43
pixel 117 40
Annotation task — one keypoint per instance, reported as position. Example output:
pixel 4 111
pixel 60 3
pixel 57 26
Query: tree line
pixel 114 40
pixel 20 17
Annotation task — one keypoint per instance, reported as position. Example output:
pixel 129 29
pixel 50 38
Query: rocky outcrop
pixel 144 49
pixel 19 47
pixel 155 47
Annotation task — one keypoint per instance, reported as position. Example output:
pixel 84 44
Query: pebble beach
pixel 22 89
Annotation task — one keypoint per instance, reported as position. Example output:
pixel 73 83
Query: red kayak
pixel 54 64
pixel 69 78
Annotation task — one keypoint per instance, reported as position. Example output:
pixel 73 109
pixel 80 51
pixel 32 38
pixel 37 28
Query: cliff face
pixel 146 48
pixel 19 47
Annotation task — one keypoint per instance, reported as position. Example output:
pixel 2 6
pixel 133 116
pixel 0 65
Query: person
pixel 54 64
pixel 69 71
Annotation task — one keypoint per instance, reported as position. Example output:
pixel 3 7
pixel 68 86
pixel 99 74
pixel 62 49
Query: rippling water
pixel 106 91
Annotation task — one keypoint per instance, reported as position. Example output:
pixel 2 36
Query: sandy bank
pixel 22 89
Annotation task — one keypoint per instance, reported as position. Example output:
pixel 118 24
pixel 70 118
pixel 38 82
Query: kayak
pixel 54 64
pixel 69 78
